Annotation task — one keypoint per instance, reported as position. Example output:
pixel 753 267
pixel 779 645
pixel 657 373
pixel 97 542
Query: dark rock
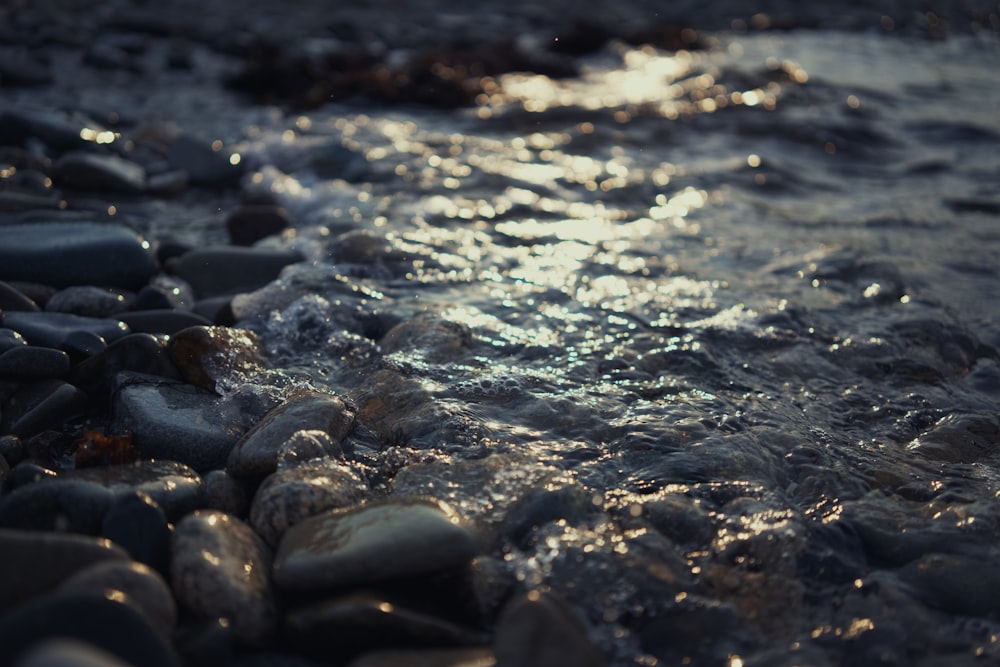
pixel 42 405
pixel 365 621
pixel 222 270
pixel 173 420
pixel 206 163
pixel 10 339
pixel 89 301
pixel 220 569
pixel 956 584
pixel 380 541
pixel 210 356
pixel 26 473
pixel 79 336
pixel 217 309
pixel 35 563
pixel 137 524
pixel 173 486
pixel 535 630
pixel 290 495
pixel 34 363
pixel 257 451
pixel 59 505
pixel 140 353
pixel 133 584
pixel 94 171
pixel 62 254
pixel 57 130
pixel 11 449
pixel 441 657
pixel 165 293
pixel 166 322
pixel 13 299
pixel 248 224
pixel 20 68
pixel 168 183
pixel 63 652
pixel 305 446
pixel 95 620
pixel 226 493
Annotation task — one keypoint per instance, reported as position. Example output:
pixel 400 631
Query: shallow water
pixel 719 324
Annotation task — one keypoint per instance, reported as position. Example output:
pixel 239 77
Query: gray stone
pixel 305 446
pixel 173 420
pixel 220 569
pixel 12 298
pixel 42 405
pixel 33 362
pixel 292 494
pixel 134 584
pixel 93 171
pixel 140 353
pixel 61 330
pixel 35 563
pixel 62 254
pixel 221 270
pixel 535 630
pixel 9 339
pixel 174 486
pixel 62 652
pixel 396 538
pixel 441 657
pixel 203 163
pixel 257 452
pixel 225 493
pixel 61 505
pixel 166 322
pixel 139 525
pixel 89 301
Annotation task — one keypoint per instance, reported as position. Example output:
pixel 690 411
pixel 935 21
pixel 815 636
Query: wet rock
pixel 138 524
pixel 21 68
pixel 226 494
pixel 10 339
pixel 12 449
pixel 220 569
pixel 167 322
pixel 305 446
pixel 248 224
pixel 26 473
pixel 535 630
pixel 444 657
pixel 396 538
pixel 138 352
pixel 62 652
pixel 173 486
pixel 959 439
pixel 55 129
pixel 89 301
pixel 62 254
pixel 221 270
pixel 12 298
pixel 290 495
pixel 206 163
pixel 174 421
pixel 430 335
pixel 165 293
pixel 95 620
pixel 257 451
pixel 60 505
pixel 94 171
pixel 134 584
pixel 680 518
pixel 30 362
pixel 41 405
pixel 709 630
pixel 571 502
pixel 34 563
pixel 956 584
pixel 366 621
pixel 210 356
pixel 72 333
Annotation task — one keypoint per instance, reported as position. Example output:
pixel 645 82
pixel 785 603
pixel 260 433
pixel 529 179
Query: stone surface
pixel 396 538
pixel 111 626
pixel 248 224
pixel 34 563
pixel 208 356
pixel 292 494
pixel 257 451
pixel 89 301
pixel 221 270
pixel 9 339
pixel 65 331
pixel 162 321
pixel 137 524
pixel 225 493
pixel 535 630
pixel 219 569
pixel 173 486
pixel 33 362
pixel 204 164
pixel 173 420
pixel 62 652
pixel 140 353
pixel 12 298
pixel 455 657
pixel 62 254
pixel 61 505
pixel 41 405
pixel 134 584
pixel 93 171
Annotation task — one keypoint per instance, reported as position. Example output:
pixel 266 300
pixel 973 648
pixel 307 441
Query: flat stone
pixel 223 270
pixel 34 563
pixel 89 301
pixel 292 494
pixel 111 626
pixel 257 451
pixel 208 356
pixel 9 339
pixel 12 298
pixel 220 569
pixel 59 505
pixel 42 405
pixel 34 363
pixel 535 630
pixel 401 537
pixel 62 254
pixel 173 420
pixel 94 171
pixel 63 330
pixel 137 352
pixel 134 584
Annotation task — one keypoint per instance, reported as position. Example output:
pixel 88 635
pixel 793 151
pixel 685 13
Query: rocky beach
pixel 518 334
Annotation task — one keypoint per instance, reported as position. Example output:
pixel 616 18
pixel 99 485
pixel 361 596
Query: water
pixel 721 323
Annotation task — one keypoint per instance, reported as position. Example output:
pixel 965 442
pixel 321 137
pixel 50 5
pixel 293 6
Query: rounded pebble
pixel 137 524
pixel 35 363
pixel 136 584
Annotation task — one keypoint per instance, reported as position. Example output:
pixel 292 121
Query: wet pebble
pixel 173 420
pixel 207 356
pixel 206 163
pixel 89 301
pixel 173 486
pixel 34 563
pixel 395 538
pixel 62 652
pixel 219 569
pixel 59 505
pixel 247 224
pixel 41 405
pixel 138 352
pixel 12 298
pixel 221 270
pixel 165 293
pixel 292 494
pixel 63 254
pixel 93 171
pixel 957 584
pixel 257 451
pixel 225 493
pixel 111 626
pixel 134 584
pixel 535 630
pixel 166 322
pixel 9 339
pixel 138 524
pixel 71 333
pixel 441 657
pixel 430 334
pixel 31 362
pixel 306 445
